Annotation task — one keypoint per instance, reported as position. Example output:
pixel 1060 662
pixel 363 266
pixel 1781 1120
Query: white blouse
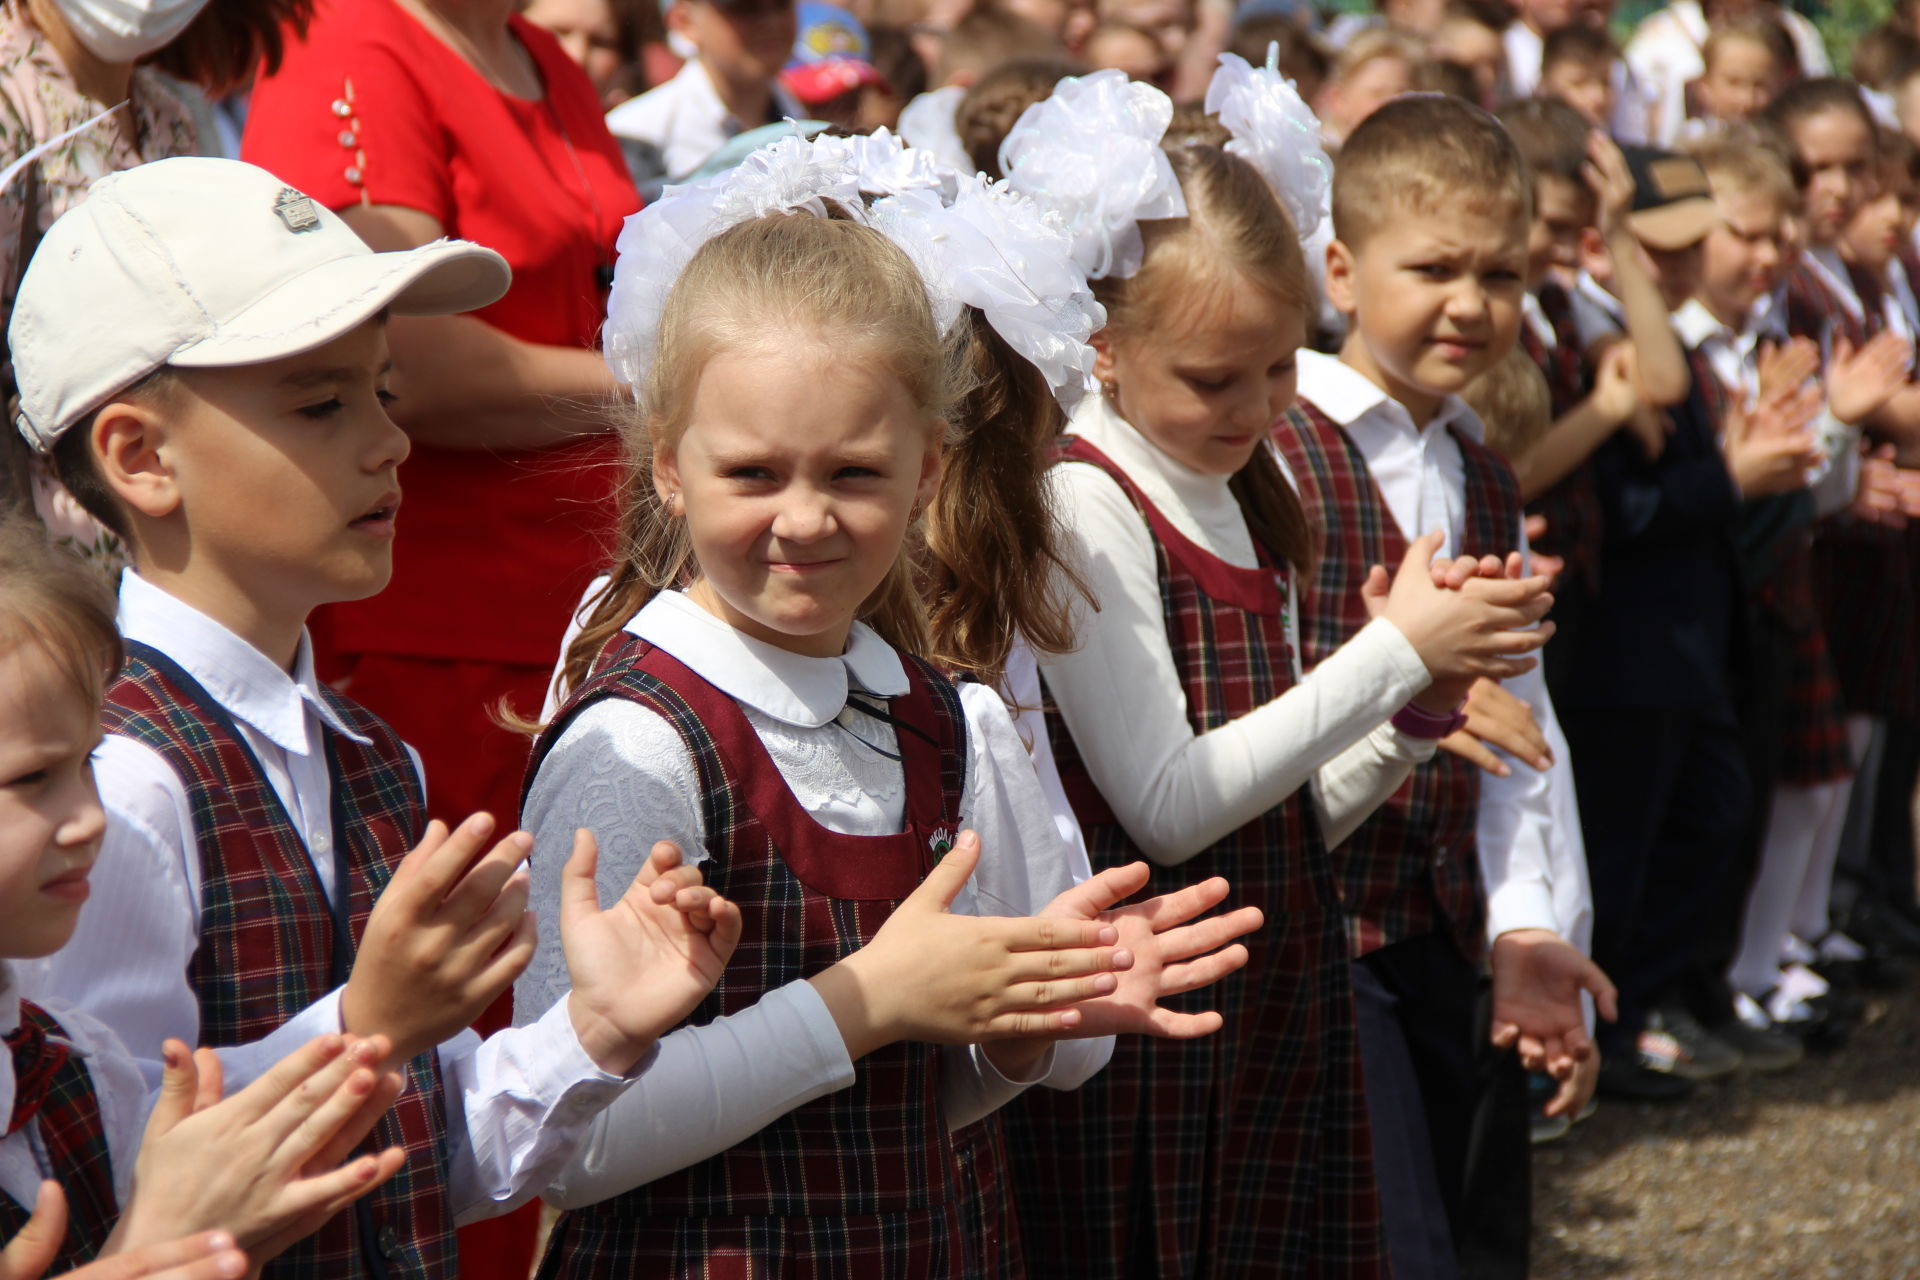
pixel 623 772
pixel 1176 791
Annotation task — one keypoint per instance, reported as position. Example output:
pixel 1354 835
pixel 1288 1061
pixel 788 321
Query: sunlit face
pixel 1586 87
pixel 1741 79
pixel 587 31
pixel 1435 300
pixel 1372 85
pixel 283 477
pixel 50 816
pixel 1129 50
pixel 1545 16
pixel 1477 48
pixel 797 474
pixel 1742 257
pixel 1205 385
pixel 1562 209
pixel 746 41
pixel 1835 149
pixel 1874 233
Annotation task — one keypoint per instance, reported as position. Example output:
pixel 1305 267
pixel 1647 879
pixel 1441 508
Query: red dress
pixel 862 1184
pixel 1245 1153
pixel 496 547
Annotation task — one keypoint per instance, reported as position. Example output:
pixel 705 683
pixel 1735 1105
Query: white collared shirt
pixel 621 770
pixel 684 121
pixel 1174 790
pixel 516 1103
pixel 117 1087
pixel 1533 860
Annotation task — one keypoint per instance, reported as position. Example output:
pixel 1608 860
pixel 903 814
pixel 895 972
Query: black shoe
pixel 1763 1050
pixel 1675 1042
pixel 1627 1078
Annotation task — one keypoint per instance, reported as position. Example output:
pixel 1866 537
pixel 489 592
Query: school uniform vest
pixel 1413 867
pixel 861 1183
pixel 1245 1153
pixel 74 1144
pixel 1863 573
pixel 1576 524
pixel 271 944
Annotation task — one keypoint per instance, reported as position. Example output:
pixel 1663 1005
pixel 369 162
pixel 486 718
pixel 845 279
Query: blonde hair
pixel 1739 162
pixel 1426 154
pixel 1514 402
pixel 1234 228
pixel 54 605
pixel 753 287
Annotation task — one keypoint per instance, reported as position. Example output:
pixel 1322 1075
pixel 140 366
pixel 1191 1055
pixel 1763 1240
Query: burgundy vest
pixel 78 1158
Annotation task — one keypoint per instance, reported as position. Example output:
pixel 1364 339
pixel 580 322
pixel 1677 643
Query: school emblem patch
pixel 296 210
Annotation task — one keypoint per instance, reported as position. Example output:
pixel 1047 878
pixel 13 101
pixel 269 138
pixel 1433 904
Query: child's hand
pixel 1466 633
pixel 1551 566
pixel 955 979
pixel 1616 384
pixel 1786 367
pixel 1769 448
pixel 449 935
pixel 265 1163
pixel 1496 718
pixel 211 1255
pixel 1859 382
pixel 1611 182
pixel 644 963
pixel 1170 955
pixel 1576 1088
pixel 1537 981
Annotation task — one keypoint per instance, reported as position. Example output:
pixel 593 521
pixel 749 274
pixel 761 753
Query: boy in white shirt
pixel 203 351
pixel 1431 206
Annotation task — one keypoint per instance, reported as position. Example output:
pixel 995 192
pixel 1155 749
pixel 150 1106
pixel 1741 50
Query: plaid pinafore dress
pixel 863 1183
pixel 1245 1153
pixel 71 1138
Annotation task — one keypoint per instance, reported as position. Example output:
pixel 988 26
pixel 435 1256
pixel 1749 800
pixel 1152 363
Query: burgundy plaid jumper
pixel 1245 1153
pixel 859 1184
pixel 1862 572
pixel 1413 867
pixel 1576 523
pixel 1814 747
pixel 268 936
pixel 75 1144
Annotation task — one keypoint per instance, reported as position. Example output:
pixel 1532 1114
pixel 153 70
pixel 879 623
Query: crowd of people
pixel 1125 637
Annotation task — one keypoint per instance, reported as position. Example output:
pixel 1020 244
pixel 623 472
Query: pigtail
pixel 991 567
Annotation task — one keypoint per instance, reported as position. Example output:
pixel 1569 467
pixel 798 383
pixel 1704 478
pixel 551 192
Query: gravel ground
pixel 1813 1173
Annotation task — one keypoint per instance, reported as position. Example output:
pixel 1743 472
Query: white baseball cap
pixel 206 263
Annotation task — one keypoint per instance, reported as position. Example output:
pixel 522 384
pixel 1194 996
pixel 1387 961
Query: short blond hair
pixel 1740 162
pixel 1426 153
pixel 1514 403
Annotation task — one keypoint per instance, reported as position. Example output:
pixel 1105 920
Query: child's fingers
pixel 1050 934
pixel 489 879
pixel 1027 1024
pixel 949 875
pixel 1206 935
pixel 673 882
pixel 727 923
pixel 348 1136
pixel 311 1096
pixel 284 1078
pixel 335 1189
pixel 1054 993
pixel 211 1255
pixel 212 1084
pixel 442 856
pixel 1168 1025
pixel 1182 905
pixel 491 931
pixel 579 892
pixel 179 1082
pixel 1191 975
pixel 32 1249
pixel 1470 749
pixel 1102 891
pixel 509 962
pixel 1374 591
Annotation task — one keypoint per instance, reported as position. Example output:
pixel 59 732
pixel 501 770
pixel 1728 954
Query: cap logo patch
pixel 296 210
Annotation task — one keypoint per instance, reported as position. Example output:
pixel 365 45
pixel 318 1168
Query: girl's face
pixel 1743 255
pixel 50 816
pixel 1835 149
pixel 1206 389
pixel 1740 80
pixel 797 475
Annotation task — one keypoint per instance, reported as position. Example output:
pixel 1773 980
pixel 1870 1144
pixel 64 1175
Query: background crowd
pixel 1713 413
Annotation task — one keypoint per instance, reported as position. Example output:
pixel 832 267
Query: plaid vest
pixel 1413 867
pixel 1245 1153
pixel 1862 572
pixel 1576 523
pixel 862 1182
pixel 271 944
pixel 74 1144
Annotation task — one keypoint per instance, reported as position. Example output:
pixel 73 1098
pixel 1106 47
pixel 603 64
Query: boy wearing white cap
pixel 203 351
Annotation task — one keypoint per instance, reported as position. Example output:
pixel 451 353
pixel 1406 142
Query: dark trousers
pixel 1448 1113
pixel 1663 799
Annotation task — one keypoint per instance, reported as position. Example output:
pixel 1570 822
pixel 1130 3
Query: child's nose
pixel 805 517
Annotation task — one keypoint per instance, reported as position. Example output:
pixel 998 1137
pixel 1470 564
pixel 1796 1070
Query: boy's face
pixel 1475 47
pixel 1738 82
pixel 1586 87
pixel 747 41
pixel 270 488
pixel 1741 258
pixel 1562 209
pixel 1835 150
pixel 1434 299
pixel 50 816
pixel 587 31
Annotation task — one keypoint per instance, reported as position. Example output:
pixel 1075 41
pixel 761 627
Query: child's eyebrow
pixel 302 379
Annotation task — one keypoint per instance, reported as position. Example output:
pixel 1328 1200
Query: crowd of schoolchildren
pixel 937 639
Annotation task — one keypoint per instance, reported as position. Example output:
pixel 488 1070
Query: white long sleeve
pixel 1176 791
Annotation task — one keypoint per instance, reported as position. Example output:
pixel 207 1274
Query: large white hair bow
pixel 1275 132
pixel 1090 154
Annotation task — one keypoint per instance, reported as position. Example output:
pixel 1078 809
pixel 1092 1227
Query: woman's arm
pixel 460 383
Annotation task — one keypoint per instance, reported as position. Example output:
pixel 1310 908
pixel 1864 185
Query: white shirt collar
pixel 1535 317
pixel 1347 396
pixel 790 687
pixel 249 684
pixel 1095 421
pixel 1826 263
pixel 1696 325
pixel 1593 291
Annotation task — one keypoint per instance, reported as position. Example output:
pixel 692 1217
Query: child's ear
pixel 1340 277
pixel 931 464
pixel 131 449
pixel 666 474
pixel 677 17
pixel 1594 258
pixel 1103 361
